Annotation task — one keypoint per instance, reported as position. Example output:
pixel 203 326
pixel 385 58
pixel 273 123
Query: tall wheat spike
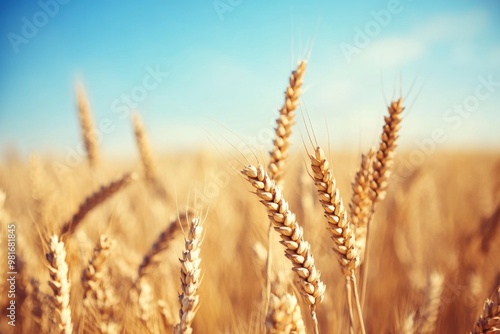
pixel 360 207
pixel 385 153
pixel 291 233
pixel 489 320
pixel 285 122
pixel 378 177
pixel 144 149
pixel 284 315
pixel 87 126
pixel 190 277
pixel 97 286
pixel 60 284
pixel 341 230
pixel 281 143
pixel 94 200
pixel 428 315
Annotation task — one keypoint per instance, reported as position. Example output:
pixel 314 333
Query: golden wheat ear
pixel 142 142
pixel 384 157
pixel 329 197
pixel 297 250
pixel 93 201
pixel 189 298
pixel 87 126
pixel 284 314
pixel 360 207
pixel 341 230
pixel 285 122
pixel 278 154
pixel 97 288
pixel 147 161
pixel 60 284
pixel 489 320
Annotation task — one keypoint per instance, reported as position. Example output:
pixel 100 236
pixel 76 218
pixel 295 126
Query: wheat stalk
pixel 190 277
pixel 145 301
pixel 284 315
pixel 87 126
pixel 360 207
pixel 94 200
pixel 340 228
pixel 60 284
pixel 378 177
pixel 281 143
pixel 144 148
pixel 428 315
pixel 291 233
pixel 148 164
pixel 489 320
pixel 385 153
pixel 162 242
pixel 97 285
pixel 285 122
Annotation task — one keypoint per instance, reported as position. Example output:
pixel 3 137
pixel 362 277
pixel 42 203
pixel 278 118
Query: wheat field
pixel 194 242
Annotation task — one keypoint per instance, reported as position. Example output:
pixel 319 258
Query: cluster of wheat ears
pixel 97 292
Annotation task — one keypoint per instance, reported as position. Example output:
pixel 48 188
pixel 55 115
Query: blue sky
pixel 222 67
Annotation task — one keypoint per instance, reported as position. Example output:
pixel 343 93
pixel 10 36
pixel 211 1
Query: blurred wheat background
pixel 163 174
pixel 438 225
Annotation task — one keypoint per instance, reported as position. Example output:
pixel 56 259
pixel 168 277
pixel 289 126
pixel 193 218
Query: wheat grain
pixel 60 284
pixel 361 201
pixel 284 315
pixel 489 320
pixel 281 143
pixel 190 277
pixel 339 226
pixel 97 287
pixel 291 233
pixel 385 153
pixel 285 122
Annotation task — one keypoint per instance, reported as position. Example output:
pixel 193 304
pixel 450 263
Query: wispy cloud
pixel 394 52
pixel 453 30
pixel 452 27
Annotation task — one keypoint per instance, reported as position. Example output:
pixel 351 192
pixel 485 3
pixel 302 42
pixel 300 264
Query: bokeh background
pixel 210 75
pixel 223 67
